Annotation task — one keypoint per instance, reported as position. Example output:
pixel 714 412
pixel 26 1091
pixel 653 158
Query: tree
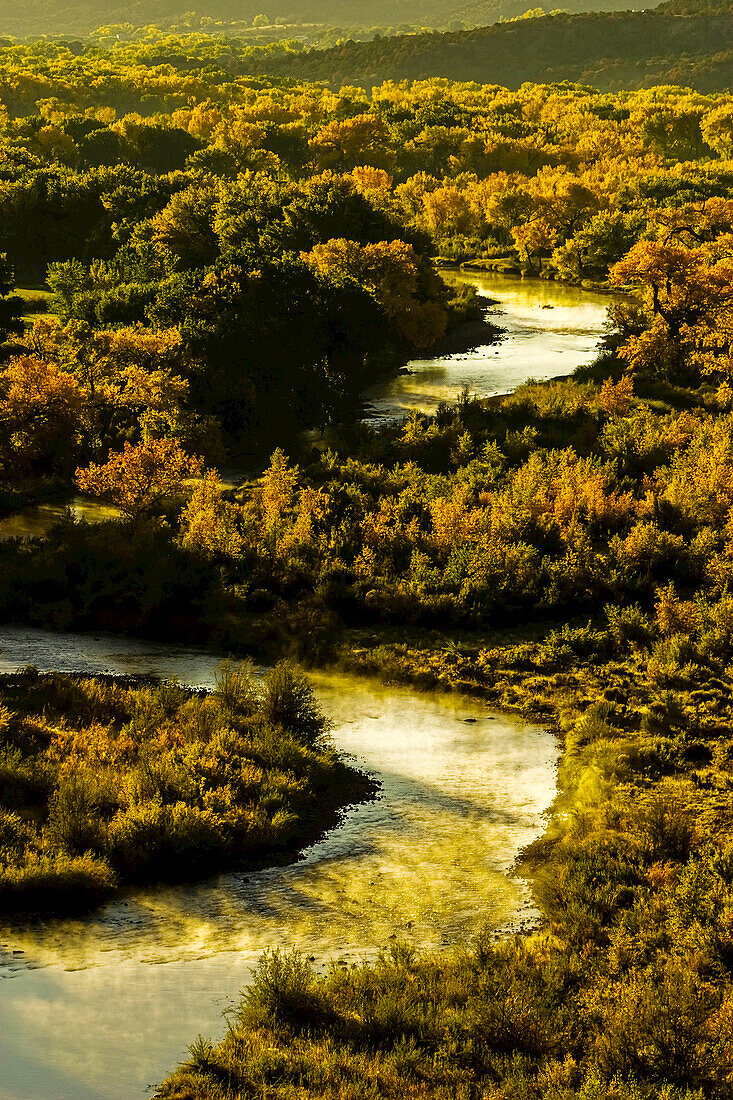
pixel 11 306
pixel 598 244
pixel 689 297
pixel 362 140
pixel 184 228
pixel 137 479
pixel 210 525
pixel 388 270
pixel 43 416
pixel 717 130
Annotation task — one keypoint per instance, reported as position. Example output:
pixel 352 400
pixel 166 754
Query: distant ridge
pixel 610 50
pixel 80 17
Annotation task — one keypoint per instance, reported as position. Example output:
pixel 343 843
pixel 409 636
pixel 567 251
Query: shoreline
pixel 74 889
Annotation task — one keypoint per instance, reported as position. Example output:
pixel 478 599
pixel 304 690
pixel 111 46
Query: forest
pixel 173 238
pixel 612 51
pixel 309 21
pixel 206 259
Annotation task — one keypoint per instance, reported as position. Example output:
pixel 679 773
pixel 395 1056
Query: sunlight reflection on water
pixel 98 1009
pixel 549 329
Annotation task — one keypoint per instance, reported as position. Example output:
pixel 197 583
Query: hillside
pixel 609 50
pixel 305 18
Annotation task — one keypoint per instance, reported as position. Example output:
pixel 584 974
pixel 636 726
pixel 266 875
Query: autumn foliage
pixel 138 478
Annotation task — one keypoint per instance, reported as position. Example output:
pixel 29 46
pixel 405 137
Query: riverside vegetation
pixel 106 783
pixel 180 209
pixel 566 550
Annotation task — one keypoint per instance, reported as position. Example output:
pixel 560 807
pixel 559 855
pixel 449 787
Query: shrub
pixel 236 687
pixel 283 988
pixel 654 1026
pixel 74 824
pixel 288 700
pixel 56 884
pixel 152 839
pixel 667 827
pixel 628 624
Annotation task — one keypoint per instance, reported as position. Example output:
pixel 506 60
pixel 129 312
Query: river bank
pixel 633 875
pixel 462 791
pixel 108 783
pixel 433 856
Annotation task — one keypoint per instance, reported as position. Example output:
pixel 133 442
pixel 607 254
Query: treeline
pixel 55 17
pixel 561 499
pixel 609 51
pixel 566 552
pixel 230 270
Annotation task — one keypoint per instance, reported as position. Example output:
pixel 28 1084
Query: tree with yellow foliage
pixel 389 271
pixel 44 415
pixel 362 140
pixel 137 479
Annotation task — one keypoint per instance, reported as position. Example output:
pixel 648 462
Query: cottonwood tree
pixel 137 479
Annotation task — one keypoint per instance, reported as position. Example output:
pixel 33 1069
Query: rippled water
pixel 549 330
pixel 99 1009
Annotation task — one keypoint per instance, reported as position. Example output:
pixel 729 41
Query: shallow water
pixel 35 520
pixel 549 330
pixel 101 1009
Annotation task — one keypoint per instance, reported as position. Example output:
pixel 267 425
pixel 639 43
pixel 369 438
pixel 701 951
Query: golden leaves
pixel 138 478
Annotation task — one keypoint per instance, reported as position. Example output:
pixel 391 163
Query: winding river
pixel 549 330
pixel 102 1009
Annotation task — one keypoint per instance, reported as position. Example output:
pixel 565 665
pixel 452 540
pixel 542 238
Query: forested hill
pixel 301 17
pixel 695 7
pixel 610 50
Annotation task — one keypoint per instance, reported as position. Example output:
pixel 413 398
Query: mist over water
pixel 101 1008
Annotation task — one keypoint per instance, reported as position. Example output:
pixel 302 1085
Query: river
pixel 549 330
pixel 101 1009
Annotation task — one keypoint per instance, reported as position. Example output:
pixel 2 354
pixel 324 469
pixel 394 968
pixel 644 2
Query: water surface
pixel 549 330
pixel 102 1008
pixel 35 520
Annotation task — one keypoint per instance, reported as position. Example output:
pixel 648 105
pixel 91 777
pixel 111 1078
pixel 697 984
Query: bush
pixel 74 823
pixel 169 841
pixel 237 687
pixel 55 884
pixel 667 827
pixel 288 700
pixel 283 988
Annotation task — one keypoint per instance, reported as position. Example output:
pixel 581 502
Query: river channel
pixel 549 329
pixel 102 1008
